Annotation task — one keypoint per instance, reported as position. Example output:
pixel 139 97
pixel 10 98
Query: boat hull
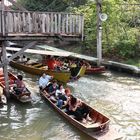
pixel 60 76
pixel 95 70
pixel 23 98
pixel 97 133
pixel 78 72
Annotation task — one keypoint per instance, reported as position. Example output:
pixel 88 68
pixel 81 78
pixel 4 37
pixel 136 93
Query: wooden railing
pixel 19 22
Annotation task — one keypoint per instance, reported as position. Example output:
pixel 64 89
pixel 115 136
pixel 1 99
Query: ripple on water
pixel 117 99
pixel 116 96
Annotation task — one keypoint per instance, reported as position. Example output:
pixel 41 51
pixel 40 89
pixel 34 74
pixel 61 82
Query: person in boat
pixel 19 87
pixel 24 59
pixel 73 64
pixel 65 65
pixel 78 109
pixel 29 61
pixel 63 97
pixel 44 81
pixel 60 91
pixel 60 96
pixel 51 90
pixel 17 58
pixel 51 63
pixel 53 87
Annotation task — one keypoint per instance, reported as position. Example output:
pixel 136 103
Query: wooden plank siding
pixel 45 23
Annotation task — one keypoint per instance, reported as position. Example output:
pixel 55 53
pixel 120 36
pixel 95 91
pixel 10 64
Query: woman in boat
pixel 78 109
pixel 60 91
pixel 62 96
pixel 19 88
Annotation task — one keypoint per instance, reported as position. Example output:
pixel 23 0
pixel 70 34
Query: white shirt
pixel 59 91
pixel 43 82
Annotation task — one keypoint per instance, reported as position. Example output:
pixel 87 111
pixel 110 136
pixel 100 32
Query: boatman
pixel 44 81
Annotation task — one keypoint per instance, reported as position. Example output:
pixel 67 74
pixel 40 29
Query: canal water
pixel 113 94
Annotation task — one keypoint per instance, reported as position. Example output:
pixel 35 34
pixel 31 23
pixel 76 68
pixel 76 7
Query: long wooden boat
pixel 38 69
pixel 78 71
pixel 99 130
pixel 23 97
pixel 95 70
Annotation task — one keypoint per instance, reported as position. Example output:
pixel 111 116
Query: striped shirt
pixel 43 81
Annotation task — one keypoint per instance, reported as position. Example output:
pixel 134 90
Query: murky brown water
pixel 115 95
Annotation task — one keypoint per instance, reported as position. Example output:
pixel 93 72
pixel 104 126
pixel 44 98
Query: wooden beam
pixel 5 70
pixel 22 50
pixel 6 61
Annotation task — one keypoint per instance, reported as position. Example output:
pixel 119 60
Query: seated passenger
pixel 51 91
pixel 51 63
pixel 24 59
pixel 30 62
pixel 19 87
pixel 44 81
pixel 60 96
pixel 60 91
pixel 63 99
pixel 75 107
pixel 52 88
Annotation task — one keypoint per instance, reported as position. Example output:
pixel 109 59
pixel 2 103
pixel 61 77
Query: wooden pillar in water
pixel 99 33
pixel 5 69
pixel 4 57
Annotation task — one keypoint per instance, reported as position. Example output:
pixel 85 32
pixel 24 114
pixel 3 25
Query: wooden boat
pixel 38 69
pixel 24 97
pixel 78 71
pixel 99 130
pixel 95 70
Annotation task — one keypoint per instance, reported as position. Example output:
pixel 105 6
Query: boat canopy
pixel 54 52
pixel 42 52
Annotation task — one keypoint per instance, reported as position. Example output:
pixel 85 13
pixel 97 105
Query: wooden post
pixel 22 50
pixel 2 18
pixel 4 57
pixel 5 70
pixel 99 34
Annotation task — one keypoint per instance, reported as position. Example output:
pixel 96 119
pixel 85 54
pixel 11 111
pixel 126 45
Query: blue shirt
pixel 43 82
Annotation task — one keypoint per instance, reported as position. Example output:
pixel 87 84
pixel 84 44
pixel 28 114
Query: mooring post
pixel 99 34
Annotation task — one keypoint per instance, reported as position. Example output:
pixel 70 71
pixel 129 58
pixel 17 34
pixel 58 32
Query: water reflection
pixel 115 95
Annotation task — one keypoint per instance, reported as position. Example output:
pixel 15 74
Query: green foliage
pixel 50 5
pixel 120 31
